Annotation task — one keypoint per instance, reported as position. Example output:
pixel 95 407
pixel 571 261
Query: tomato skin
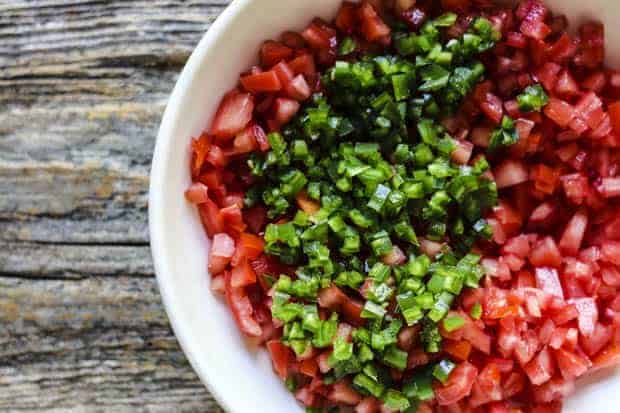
pixel 197 193
pixel 510 173
pixel 571 365
pixel 309 206
pixel 545 253
pixel 261 82
pixel 273 52
pixel 281 357
pixel 221 252
pixel 547 279
pixel 210 217
pixel 233 114
pixel 334 299
pixel 241 308
pixel 607 358
pixel 373 28
pixel 594 343
pixel 242 274
pixel 458 386
pixel 588 315
pixel 249 246
pixel 343 393
pixel 541 368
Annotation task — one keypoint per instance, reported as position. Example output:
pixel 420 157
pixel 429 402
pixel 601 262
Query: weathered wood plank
pixel 101 344
pixel 83 84
pixel 74 261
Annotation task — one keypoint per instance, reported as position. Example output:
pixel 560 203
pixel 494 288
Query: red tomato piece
pixel 559 111
pixel 368 405
pixel 262 82
pixel 463 151
pixel 572 237
pixel 600 337
pixel 281 357
pixel 210 217
pixel 510 173
pixel 273 52
pixel 197 193
pixel 222 250
pixel 241 308
pixel 541 368
pixel 460 350
pixel 233 114
pixel 242 274
pixel 255 218
pixel 458 386
pixel 607 358
pixel 545 253
pixel 200 148
pixel 346 20
pixel 570 364
pixel 373 28
pixel 343 393
pixel 298 88
pixel 249 246
pixel 303 65
pixel 394 257
pixel 285 110
pixel 245 141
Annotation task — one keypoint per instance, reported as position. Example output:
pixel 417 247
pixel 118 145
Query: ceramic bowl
pixel 239 376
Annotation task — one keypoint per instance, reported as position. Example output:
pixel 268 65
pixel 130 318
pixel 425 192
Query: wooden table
pixel 83 84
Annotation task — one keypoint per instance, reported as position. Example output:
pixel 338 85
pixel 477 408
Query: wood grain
pixel 83 84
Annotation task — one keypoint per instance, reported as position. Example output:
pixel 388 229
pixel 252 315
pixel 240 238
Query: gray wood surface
pixel 83 84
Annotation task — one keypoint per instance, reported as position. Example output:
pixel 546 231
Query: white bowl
pixel 241 378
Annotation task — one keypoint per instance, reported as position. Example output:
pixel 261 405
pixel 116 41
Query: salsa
pixel 414 207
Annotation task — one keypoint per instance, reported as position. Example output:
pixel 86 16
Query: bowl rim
pixel 163 143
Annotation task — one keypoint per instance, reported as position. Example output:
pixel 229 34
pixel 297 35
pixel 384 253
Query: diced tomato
pixel 241 308
pixel 256 218
pixel 463 151
pixel 510 173
pixel 559 111
pixel 554 389
pixel 232 218
pixel 281 357
pixel 221 252
pixel 607 358
pixel 610 252
pixel 218 284
pixel 460 350
pixel 334 299
pixel 519 246
pixel 394 257
pixel 547 280
pixel 234 113
pixel 343 393
pixel 541 368
pixel 306 204
pixel 273 52
pixel 610 187
pixel 545 253
pixel 600 337
pixel 217 157
pixel 573 234
pixel 261 82
pixel 303 65
pixel 243 274
pixel 346 20
pixel 249 246
pixel 306 396
pixel 245 141
pixel 492 108
pixel 477 338
pixel 458 386
pixel 614 113
pixel 200 149
pixel 284 110
pixel 570 364
pixel 298 88
pixel 210 217
pixel 373 28
pixel 367 405
pixel 197 193
pixel 318 36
